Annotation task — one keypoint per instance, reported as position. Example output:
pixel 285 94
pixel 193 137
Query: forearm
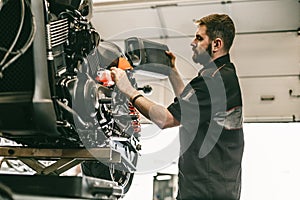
pixel 176 82
pixel 154 112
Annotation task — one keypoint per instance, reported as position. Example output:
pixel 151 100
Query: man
pixel 209 112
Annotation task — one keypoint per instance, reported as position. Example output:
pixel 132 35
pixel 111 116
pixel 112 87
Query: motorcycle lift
pixel 48 183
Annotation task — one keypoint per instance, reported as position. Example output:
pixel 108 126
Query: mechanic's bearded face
pixel 202 46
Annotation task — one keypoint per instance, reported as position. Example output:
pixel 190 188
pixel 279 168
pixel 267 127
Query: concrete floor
pixel 271 166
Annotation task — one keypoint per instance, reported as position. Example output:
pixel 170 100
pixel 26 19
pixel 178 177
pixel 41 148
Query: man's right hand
pixel 174 76
pixel 172 58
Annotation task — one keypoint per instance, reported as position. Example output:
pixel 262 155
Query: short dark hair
pixel 219 26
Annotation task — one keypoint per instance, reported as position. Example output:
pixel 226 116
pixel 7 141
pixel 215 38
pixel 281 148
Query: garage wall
pixel 266 50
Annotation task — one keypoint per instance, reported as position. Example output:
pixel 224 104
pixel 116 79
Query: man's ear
pixel 217 44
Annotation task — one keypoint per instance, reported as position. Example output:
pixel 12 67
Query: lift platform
pixel 47 180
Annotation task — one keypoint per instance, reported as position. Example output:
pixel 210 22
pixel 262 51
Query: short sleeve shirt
pixel 211 134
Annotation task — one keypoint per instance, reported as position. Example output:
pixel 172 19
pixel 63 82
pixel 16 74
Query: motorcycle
pixel 55 87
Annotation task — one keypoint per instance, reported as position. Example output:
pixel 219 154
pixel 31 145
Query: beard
pixel 203 56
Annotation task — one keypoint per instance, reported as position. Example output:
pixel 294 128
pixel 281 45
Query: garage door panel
pixel 269 99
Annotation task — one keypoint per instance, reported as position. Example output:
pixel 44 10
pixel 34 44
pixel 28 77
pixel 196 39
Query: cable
pixel 26 46
pixel 2 3
pixel 5 50
pixel 18 33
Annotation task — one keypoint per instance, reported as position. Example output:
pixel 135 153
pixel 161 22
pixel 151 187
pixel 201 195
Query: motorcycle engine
pixel 92 107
